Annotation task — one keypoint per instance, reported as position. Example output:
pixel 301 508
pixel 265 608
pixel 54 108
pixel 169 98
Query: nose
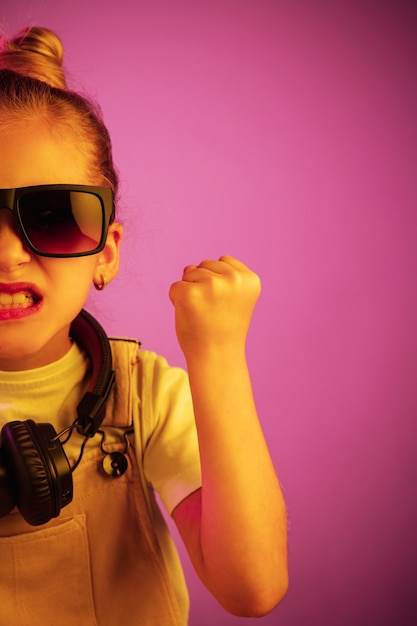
pixel 13 251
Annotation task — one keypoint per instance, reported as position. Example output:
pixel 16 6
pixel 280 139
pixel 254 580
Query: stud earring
pixel 101 286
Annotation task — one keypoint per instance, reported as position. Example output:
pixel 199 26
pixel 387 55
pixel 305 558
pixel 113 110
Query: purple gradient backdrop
pixel 283 133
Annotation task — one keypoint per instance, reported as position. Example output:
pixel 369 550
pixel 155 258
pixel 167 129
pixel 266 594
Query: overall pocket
pixel 45 577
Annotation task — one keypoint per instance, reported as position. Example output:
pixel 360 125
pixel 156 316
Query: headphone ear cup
pixel 40 470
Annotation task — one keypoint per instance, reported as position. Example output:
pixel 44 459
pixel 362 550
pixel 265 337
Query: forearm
pixel 235 526
pixel 243 534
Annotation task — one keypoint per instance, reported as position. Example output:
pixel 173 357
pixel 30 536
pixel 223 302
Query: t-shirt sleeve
pixel 170 452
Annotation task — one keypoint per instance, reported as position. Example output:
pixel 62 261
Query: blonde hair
pixel 33 86
pixel 35 52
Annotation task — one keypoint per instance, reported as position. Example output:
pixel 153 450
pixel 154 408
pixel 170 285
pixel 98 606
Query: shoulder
pixel 148 369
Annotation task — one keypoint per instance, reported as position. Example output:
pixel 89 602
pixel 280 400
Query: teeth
pixel 16 300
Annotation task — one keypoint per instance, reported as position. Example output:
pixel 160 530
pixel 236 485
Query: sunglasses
pixel 61 220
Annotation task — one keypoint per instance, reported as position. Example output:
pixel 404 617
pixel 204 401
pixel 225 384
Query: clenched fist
pixel 213 304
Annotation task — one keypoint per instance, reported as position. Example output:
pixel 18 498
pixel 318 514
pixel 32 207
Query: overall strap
pixel 125 353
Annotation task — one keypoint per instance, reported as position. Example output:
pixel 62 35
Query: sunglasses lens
pixel 61 221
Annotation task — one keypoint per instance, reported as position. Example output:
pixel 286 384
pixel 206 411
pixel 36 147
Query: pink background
pixel 284 133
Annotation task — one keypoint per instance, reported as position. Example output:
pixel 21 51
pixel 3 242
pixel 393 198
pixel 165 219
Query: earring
pixel 101 286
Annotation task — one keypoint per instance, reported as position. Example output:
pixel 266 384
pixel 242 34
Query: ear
pixel 108 259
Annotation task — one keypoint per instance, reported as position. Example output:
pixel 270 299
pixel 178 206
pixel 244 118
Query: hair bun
pixel 36 52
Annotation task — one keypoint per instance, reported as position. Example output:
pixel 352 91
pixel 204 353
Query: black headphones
pixel 35 474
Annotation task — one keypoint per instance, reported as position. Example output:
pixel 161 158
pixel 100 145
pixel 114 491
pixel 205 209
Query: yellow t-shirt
pixel 165 437
pixel 52 392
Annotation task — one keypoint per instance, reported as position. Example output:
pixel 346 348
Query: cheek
pixel 72 277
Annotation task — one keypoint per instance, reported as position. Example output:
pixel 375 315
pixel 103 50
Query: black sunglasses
pixel 61 220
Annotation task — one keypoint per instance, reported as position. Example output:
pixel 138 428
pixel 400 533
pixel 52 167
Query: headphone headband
pixel 90 335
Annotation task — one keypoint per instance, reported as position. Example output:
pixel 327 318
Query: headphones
pixel 35 474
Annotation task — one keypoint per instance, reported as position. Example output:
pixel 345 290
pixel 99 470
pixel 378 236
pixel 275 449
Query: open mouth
pixel 18 302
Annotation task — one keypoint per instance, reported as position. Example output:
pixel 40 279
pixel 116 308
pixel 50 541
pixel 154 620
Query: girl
pixel 107 558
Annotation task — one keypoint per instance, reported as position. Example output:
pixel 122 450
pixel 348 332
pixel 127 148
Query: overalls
pixel 99 563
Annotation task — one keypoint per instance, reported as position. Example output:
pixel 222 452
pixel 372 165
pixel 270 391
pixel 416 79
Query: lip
pixel 20 312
